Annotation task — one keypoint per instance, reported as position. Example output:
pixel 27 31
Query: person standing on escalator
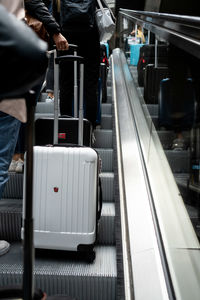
pixel 82 31
pixel 38 10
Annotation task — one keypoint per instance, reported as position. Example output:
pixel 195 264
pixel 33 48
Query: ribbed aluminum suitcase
pixel 64 197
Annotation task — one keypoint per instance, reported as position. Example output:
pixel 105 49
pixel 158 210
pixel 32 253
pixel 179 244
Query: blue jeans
pixel 9 129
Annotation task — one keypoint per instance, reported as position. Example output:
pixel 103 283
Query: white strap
pixel 102 9
pixel 100 5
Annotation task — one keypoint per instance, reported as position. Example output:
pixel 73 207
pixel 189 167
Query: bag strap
pixel 100 5
pixel 103 4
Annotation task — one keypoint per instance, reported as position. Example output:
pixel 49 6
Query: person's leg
pixel 66 88
pixel 89 48
pixel 66 80
pixel 17 163
pixel 9 129
pixel 91 90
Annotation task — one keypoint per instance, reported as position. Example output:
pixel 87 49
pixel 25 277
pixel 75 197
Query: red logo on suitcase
pixel 62 136
pixel 55 189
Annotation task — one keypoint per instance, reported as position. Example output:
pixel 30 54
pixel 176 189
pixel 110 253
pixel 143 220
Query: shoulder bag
pixel 105 21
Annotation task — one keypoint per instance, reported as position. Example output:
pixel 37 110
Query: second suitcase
pixel 67 131
pixel 152 79
pixel 67 128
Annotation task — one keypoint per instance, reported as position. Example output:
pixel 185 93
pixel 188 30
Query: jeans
pixel 20 145
pixel 9 129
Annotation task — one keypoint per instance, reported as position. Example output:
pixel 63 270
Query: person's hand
pixel 132 32
pixel 60 41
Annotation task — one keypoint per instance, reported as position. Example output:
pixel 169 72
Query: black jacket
pixel 23 58
pixel 38 10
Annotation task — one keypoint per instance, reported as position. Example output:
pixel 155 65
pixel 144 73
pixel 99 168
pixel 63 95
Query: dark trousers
pixel 88 47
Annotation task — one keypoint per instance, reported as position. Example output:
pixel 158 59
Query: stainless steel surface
pixel 144 278
pixel 180 243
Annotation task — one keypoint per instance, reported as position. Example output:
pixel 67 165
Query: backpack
pixel 77 14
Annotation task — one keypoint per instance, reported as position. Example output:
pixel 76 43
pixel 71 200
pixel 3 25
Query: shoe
pixel 13 165
pixel 49 99
pixel 20 166
pixel 4 247
pixel 178 145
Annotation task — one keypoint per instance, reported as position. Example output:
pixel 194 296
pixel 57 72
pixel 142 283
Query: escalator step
pixel 64 275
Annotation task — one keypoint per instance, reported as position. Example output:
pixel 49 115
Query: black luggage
pixel 147 56
pixel 67 131
pixel 177 104
pixel 68 126
pixel 152 79
pixel 103 72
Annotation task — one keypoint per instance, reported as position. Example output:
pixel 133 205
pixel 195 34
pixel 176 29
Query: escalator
pixel 59 272
pixel 179 160
pixel 145 234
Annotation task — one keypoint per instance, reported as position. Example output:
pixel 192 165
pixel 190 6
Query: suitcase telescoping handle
pixel 56 85
pixel 79 60
pixel 74 47
pixel 156 53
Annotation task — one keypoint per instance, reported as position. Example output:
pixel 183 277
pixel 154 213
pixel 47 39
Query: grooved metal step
pixel 43 97
pixel 179 161
pixel 10 219
pixel 103 138
pixel 11 216
pixel 152 108
pixel 106 234
pixel 106 156
pixel 14 186
pixel 109 98
pixel 107 181
pixel 106 122
pixel 43 107
pixel 106 108
pixel 42 115
pixel 62 275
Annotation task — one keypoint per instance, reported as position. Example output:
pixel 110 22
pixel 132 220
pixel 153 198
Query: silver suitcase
pixel 66 204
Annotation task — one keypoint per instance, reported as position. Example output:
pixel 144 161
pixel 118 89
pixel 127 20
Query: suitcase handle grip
pixel 73 46
pixel 58 59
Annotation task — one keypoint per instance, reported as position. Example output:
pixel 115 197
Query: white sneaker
pixel 20 166
pixel 13 165
pixel 49 99
pixel 4 247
